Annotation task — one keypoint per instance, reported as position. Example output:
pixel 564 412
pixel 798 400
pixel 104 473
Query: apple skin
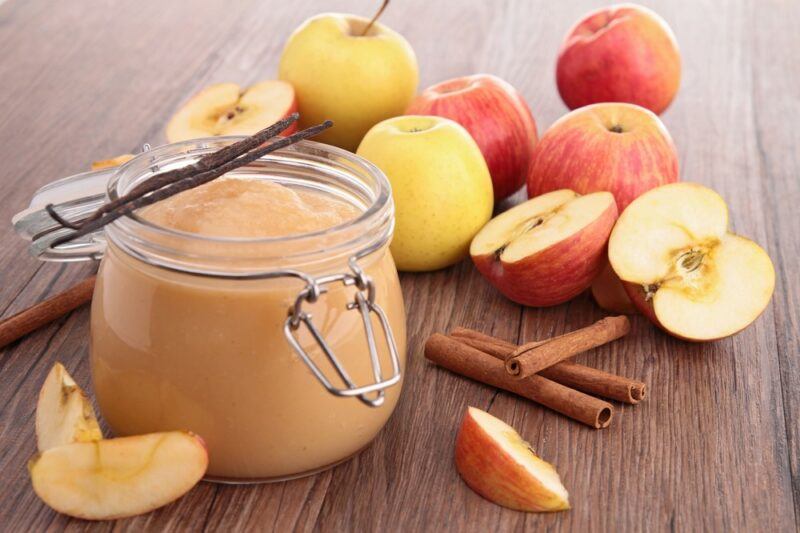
pixel 558 273
pixel 620 53
pixel 496 116
pixel 494 474
pixel 609 293
pixel 355 81
pixel 580 151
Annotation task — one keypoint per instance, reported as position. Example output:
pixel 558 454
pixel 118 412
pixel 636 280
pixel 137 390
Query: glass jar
pixel 284 354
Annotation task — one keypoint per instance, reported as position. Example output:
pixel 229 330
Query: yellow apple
pixel 352 79
pixel 441 186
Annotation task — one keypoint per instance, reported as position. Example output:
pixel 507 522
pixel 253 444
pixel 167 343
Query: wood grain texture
pixel 716 446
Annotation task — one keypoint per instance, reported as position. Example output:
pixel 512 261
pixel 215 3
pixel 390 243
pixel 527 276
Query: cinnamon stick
pixel 33 318
pixel 583 378
pixel 533 357
pixel 460 358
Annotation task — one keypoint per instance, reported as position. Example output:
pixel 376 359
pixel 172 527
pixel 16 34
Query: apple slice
pixel 547 250
pixel 683 269
pixel 224 109
pixel 499 465
pixel 610 294
pixel 122 477
pixel 63 413
pixel 113 162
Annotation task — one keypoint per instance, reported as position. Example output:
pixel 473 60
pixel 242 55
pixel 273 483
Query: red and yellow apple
pixel 226 109
pixel 620 53
pixel 121 477
pixel 609 293
pixel 496 116
pixel 683 269
pixel 354 79
pixel 547 250
pixel 620 148
pixel 494 461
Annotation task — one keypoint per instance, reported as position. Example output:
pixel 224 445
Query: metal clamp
pixel 364 302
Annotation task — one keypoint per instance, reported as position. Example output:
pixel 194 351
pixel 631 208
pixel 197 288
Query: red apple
pixel 496 116
pixel 620 53
pixel 621 148
pixel 499 465
pixel 547 250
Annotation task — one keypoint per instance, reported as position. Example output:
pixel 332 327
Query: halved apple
pixel 498 464
pixel 547 250
pixel 225 109
pixel 610 294
pixel 63 413
pixel 121 477
pixel 683 269
pixel 112 162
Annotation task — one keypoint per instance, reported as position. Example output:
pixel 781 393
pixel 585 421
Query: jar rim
pixel 144 239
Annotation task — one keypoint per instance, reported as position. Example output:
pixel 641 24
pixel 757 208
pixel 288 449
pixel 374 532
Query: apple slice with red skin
pixel 547 250
pixel 226 109
pixel 496 116
pixel 494 461
pixel 610 294
pixel 116 478
pixel 683 269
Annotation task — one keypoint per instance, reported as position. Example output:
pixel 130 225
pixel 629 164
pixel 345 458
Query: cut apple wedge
pixel 547 250
pixel 610 294
pixel 683 269
pixel 122 477
pixel 225 109
pixel 498 464
pixel 63 413
pixel 113 162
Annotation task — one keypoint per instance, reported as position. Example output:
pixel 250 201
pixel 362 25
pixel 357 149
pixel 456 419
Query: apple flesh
pixel 494 461
pixel 622 53
pixel 610 294
pixel 117 478
pixel 226 109
pixel 683 269
pixel 547 250
pixel 620 148
pixel 63 412
pixel 496 116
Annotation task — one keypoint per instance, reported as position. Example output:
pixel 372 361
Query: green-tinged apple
pixel 441 187
pixel 620 53
pixel 121 477
pixel 354 79
pixel 547 250
pixel 498 464
pixel 621 148
pixel 227 109
pixel 63 412
pixel 683 269
pixel 610 294
pixel 496 116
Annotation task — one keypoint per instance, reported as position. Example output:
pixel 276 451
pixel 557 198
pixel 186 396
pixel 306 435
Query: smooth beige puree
pixel 177 351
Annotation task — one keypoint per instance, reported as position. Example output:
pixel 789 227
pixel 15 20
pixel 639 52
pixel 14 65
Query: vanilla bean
pixel 190 182
pixel 205 163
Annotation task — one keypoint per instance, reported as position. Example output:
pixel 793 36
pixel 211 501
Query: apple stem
pixel 375 17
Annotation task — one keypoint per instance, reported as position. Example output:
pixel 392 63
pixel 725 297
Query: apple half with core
pixel 121 477
pixel 619 53
pixel 226 109
pixel 547 250
pixel 683 269
pixel 494 461
pixel 496 116
pixel 620 148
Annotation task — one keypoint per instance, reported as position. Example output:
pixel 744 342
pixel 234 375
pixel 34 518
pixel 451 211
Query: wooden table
pixel 716 445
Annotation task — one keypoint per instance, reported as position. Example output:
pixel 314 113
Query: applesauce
pixel 206 305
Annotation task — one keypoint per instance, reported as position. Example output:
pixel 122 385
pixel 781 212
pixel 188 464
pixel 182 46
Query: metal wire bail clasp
pixel 371 394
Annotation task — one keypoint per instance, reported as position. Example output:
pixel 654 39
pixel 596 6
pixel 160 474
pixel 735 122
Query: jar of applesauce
pixel 261 311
